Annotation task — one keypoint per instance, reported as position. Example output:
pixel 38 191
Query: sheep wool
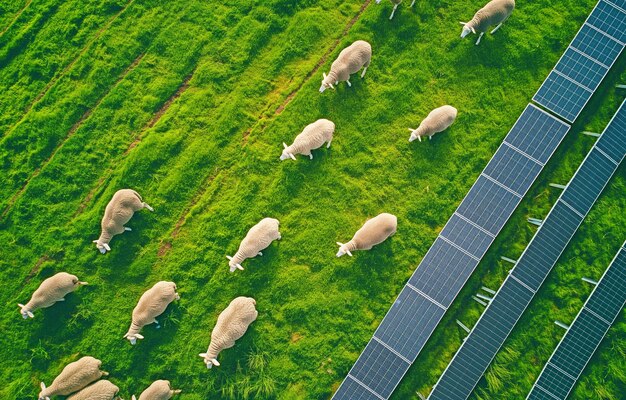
pixel 151 304
pixel 258 238
pixel 373 232
pixel 231 324
pixel 395 3
pixel 351 59
pixel 158 390
pixel 50 291
pixel 493 13
pixel 438 120
pixel 313 137
pixel 119 211
pixel 74 377
pixel 101 390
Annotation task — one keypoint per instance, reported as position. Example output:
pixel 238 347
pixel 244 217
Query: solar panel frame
pixel 512 276
pixel 557 86
pixel 600 326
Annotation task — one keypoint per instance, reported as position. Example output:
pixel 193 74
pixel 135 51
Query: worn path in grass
pixel 191 106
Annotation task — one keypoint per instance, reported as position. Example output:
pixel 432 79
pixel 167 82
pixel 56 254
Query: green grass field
pixel 188 102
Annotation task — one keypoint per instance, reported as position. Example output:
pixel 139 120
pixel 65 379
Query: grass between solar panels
pixel 189 104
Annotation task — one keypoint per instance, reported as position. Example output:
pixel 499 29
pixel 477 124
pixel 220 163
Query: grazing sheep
pixel 258 238
pixel 351 59
pixel 231 324
pixel 159 390
pixel 151 304
pixel 494 12
pixel 313 137
pixel 119 211
pixel 74 377
pixel 438 120
pixel 395 3
pixel 101 390
pixel 50 291
pixel 373 232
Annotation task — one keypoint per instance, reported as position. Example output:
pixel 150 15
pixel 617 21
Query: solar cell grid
pixel 513 169
pixel 379 369
pixel 581 69
pixel 609 19
pixel 351 390
pixel 467 236
pixel 618 3
pixel 612 142
pixel 555 382
pixel 539 394
pixel 611 291
pixel 562 96
pixel 596 45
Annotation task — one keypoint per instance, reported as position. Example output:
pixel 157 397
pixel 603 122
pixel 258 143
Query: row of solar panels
pixel 531 269
pixel 462 243
pixel 586 61
pixel 454 255
pixel 584 335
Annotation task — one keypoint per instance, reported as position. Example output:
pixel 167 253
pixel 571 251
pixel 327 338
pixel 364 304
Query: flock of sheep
pixel 81 379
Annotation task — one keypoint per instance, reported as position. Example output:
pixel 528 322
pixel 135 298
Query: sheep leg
pixel 363 73
pixel 127 229
pixel 412 3
pixel 479 37
pixel 349 84
pixel 328 145
pixel 260 253
pixel 146 205
pixel 393 11
pixel 496 28
pixel 311 156
pixel 158 326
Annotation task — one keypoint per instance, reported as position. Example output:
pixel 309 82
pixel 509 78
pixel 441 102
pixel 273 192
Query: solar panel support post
pixel 562 325
pixel 465 328
pixel 589 280
pixel 510 260
pixel 594 134
pixel 479 301
pixel 421 396
pixel 486 289
pixel 482 296
pixel 558 186
pixel 535 221
pixel 620 86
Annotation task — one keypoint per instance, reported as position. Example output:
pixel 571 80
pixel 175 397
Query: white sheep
pixel 101 390
pixel 313 137
pixel 119 211
pixel 494 12
pixel 231 324
pixel 438 120
pixel 258 238
pixel 74 377
pixel 395 3
pixel 351 59
pixel 373 232
pixel 158 390
pixel 151 304
pixel 50 291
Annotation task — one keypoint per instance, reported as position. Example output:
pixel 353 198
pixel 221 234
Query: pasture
pixel 188 102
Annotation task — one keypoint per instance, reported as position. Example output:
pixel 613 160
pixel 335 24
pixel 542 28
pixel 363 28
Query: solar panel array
pixel 586 61
pixel 453 256
pixel 487 336
pixel 583 337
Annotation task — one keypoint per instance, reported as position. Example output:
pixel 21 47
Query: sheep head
pixel 327 82
pixel 103 247
pixel 467 29
pixel 414 135
pixel 286 154
pixel 132 338
pixel 233 265
pixel 42 395
pixel 25 312
pixel 210 362
pixel 343 249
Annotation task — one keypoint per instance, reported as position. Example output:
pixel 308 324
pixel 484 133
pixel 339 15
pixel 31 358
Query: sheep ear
pixel 229 257
pixel 133 398
pixel 462 23
pixel 42 386
pixel 215 362
pixel 285 145
pixel 95 241
pixel 202 355
pixel 348 252
pixel 239 267
pixel 410 129
pixel 30 314
pixel 106 246
pixel 331 86
pixel 292 156
pixel 138 336
pixel 473 30
pixel 324 75
pixel 339 243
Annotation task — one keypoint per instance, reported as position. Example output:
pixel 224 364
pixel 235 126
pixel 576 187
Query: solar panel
pixel 505 309
pixel 586 62
pixel 453 256
pixel 585 334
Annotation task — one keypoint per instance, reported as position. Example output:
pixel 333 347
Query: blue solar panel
pixel 582 69
pixel 556 382
pixel 411 316
pixel 610 20
pixel 351 390
pixel 613 144
pixel 513 169
pixel 619 4
pixel 563 96
pixel 609 298
pixel 494 326
pixel 467 236
pixel 597 45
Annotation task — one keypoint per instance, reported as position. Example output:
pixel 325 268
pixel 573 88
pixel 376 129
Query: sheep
pixel 231 324
pixel 151 304
pixel 494 12
pixel 101 390
pixel 395 3
pixel 438 120
pixel 313 137
pixel 119 211
pixel 49 292
pixel 158 390
pixel 258 238
pixel 74 377
pixel 373 232
pixel 351 59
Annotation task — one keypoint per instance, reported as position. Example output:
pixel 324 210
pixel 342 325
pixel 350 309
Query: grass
pixel 189 105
